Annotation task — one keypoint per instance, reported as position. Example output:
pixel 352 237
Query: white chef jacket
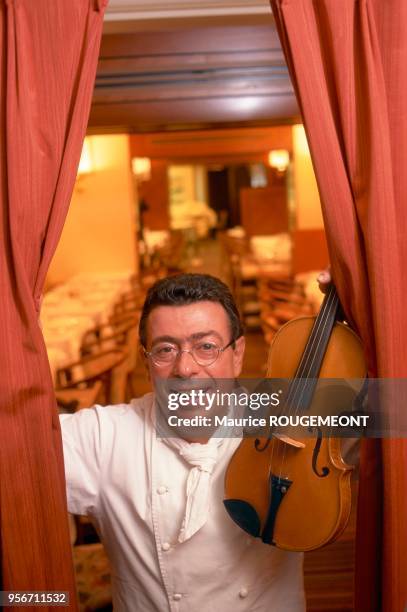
pixel 133 486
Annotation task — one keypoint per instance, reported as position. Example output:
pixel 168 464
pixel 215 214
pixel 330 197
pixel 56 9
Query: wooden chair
pixel 242 273
pixel 235 249
pixel 106 367
pixel 282 297
pixel 124 336
pixel 93 577
pixel 117 320
pixel 129 302
pixel 109 335
pixel 72 400
pixel 170 255
pixel 279 304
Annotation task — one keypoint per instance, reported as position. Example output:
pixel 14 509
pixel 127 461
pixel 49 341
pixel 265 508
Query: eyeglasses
pixel 204 353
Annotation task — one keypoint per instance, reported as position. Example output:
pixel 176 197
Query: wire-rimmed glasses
pixel 205 353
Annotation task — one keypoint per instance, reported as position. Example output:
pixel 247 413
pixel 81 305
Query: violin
pixel 294 493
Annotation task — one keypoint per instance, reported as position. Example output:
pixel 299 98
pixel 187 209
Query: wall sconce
pixel 279 159
pixel 141 168
pixel 86 161
pixel 85 167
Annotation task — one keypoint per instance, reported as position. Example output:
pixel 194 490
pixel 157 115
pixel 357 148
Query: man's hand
pixel 324 278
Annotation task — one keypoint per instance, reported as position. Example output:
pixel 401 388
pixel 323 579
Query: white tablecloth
pixel 71 309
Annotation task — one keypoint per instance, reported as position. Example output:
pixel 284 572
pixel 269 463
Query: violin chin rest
pixel 244 515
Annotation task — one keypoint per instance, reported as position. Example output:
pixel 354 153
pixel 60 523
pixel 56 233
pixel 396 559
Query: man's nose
pixel 185 365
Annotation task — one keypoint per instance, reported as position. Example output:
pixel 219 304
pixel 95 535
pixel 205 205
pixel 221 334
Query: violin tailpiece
pixel 278 488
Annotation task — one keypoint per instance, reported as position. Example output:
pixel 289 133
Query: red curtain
pixel 48 57
pixel 348 63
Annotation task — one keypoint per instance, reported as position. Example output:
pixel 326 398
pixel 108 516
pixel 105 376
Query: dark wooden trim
pixel 204 76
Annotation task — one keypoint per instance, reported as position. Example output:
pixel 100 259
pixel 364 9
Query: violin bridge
pixel 288 440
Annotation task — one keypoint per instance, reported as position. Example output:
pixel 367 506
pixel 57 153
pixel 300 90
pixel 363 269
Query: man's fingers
pixel 324 277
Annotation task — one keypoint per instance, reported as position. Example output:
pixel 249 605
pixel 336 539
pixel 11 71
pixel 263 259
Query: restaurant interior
pixel 195 160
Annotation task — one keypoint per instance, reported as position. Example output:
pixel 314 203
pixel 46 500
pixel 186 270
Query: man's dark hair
pixel 183 289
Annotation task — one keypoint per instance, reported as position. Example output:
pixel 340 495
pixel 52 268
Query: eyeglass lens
pixel 204 353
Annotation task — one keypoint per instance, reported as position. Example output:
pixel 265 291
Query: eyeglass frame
pixel 180 351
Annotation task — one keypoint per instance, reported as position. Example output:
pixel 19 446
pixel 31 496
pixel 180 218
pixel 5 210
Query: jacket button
pixel 161 490
pixel 165 546
pixel 243 593
pixel 177 596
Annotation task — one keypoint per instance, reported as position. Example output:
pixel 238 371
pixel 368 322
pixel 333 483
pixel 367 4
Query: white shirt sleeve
pixel 81 437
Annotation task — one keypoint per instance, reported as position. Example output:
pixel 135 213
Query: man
pixel 157 502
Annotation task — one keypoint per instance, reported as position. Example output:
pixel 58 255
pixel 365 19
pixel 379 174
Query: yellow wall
pixel 307 203
pixel 201 183
pixel 99 234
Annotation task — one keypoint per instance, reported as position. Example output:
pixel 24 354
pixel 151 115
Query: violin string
pixel 311 355
pixel 322 321
pixel 307 356
pixel 314 351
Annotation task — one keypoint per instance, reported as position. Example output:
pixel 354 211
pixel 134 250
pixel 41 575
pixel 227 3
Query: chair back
pixel 104 366
pixel 108 336
pixel 124 336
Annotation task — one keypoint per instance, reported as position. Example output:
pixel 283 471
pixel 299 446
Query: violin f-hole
pixel 325 470
pixel 259 448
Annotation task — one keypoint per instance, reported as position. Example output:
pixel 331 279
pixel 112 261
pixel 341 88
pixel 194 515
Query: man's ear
pixel 144 359
pixel 238 354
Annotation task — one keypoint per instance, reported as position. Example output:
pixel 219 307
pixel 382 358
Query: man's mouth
pixel 192 396
pixel 184 388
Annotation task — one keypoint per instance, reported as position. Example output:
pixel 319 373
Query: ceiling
pixel 129 15
pixel 172 65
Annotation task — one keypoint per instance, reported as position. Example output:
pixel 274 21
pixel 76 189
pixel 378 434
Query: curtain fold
pixel 48 57
pixel 347 62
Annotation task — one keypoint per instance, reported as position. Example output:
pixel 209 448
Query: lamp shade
pixel 85 163
pixel 141 168
pixel 279 159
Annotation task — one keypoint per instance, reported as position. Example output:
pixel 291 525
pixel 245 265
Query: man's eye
pixel 206 346
pixel 164 350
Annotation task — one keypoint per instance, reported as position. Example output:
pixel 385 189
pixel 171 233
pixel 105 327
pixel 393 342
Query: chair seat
pixel 250 307
pixel 71 400
pixel 286 313
pixel 270 321
pixel 109 367
pixel 93 580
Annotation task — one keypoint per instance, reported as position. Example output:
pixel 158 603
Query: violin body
pixel 295 493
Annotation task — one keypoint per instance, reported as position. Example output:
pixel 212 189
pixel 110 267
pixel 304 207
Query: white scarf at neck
pixel 202 458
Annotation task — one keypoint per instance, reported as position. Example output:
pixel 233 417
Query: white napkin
pixel 202 458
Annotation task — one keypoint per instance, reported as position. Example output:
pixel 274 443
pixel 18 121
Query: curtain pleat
pixel 347 61
pixel 48 58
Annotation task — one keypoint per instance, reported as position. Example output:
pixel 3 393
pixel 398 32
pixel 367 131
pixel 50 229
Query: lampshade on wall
pixel 86 162
pixel 141 168
pixel 279 159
